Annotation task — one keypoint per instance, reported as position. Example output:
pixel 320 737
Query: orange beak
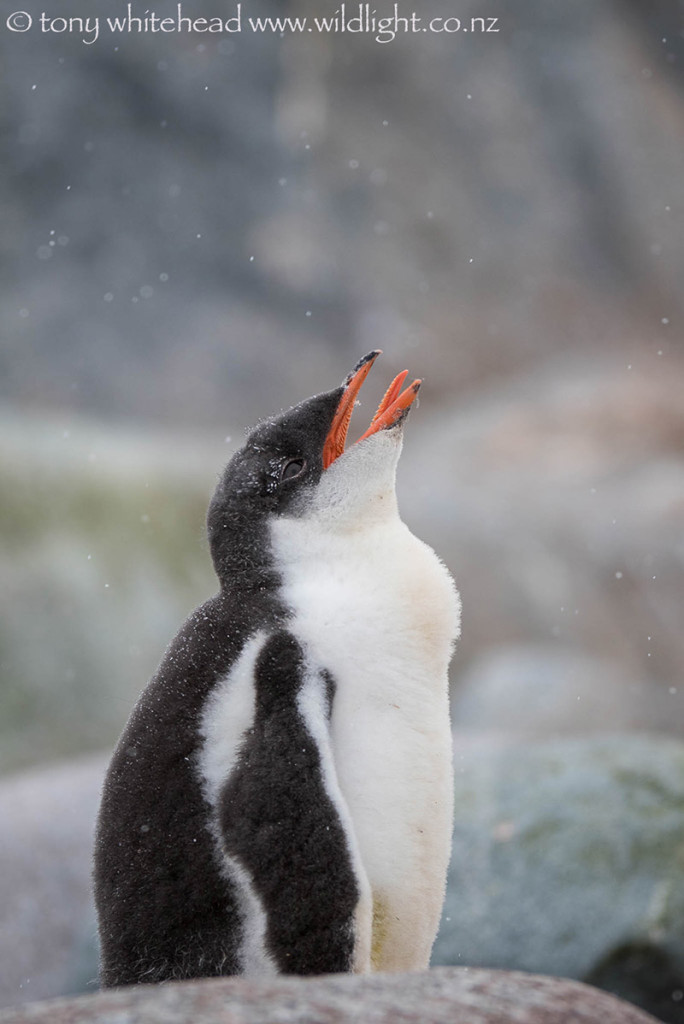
pixel 392 408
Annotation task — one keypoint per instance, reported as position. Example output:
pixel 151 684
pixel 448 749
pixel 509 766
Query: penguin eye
pixel 292 469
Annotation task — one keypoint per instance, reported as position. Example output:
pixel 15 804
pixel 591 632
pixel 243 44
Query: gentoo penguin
pixel 281 798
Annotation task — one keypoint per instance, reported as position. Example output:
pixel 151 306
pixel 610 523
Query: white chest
pixel 379 611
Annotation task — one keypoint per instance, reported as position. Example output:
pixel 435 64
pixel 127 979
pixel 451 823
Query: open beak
pixel 391 410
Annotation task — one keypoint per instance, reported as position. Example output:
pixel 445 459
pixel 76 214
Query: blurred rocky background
pixel 200 230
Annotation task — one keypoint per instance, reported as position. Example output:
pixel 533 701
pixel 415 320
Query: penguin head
pixel 295 465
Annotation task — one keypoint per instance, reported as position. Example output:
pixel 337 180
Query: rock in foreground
pixel 567 860
pixel 442 996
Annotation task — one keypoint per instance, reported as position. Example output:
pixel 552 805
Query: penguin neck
pixel 358 491
pixel 301 541
pixel 243 558
pixel 338 527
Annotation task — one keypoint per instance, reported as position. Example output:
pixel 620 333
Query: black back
pixel 165 908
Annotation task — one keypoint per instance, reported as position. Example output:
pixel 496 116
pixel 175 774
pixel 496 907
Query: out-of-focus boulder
pixel 47 919
pixel 544 691
pixel 443 996
pixel 568 859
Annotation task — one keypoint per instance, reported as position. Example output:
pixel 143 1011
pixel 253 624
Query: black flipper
pixel 279 822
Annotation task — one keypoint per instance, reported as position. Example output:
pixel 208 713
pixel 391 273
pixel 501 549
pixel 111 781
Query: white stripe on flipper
pixel 312 702
pixel 227 716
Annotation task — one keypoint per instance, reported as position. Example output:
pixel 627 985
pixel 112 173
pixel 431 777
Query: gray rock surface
pixel 543 690
pixel 568 860
pixel 47 921
pixel 443 996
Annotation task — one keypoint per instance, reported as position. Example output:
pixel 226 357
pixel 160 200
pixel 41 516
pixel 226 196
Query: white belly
pixel 379 611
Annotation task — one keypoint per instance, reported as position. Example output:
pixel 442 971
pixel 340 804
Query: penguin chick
pixel 280 800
